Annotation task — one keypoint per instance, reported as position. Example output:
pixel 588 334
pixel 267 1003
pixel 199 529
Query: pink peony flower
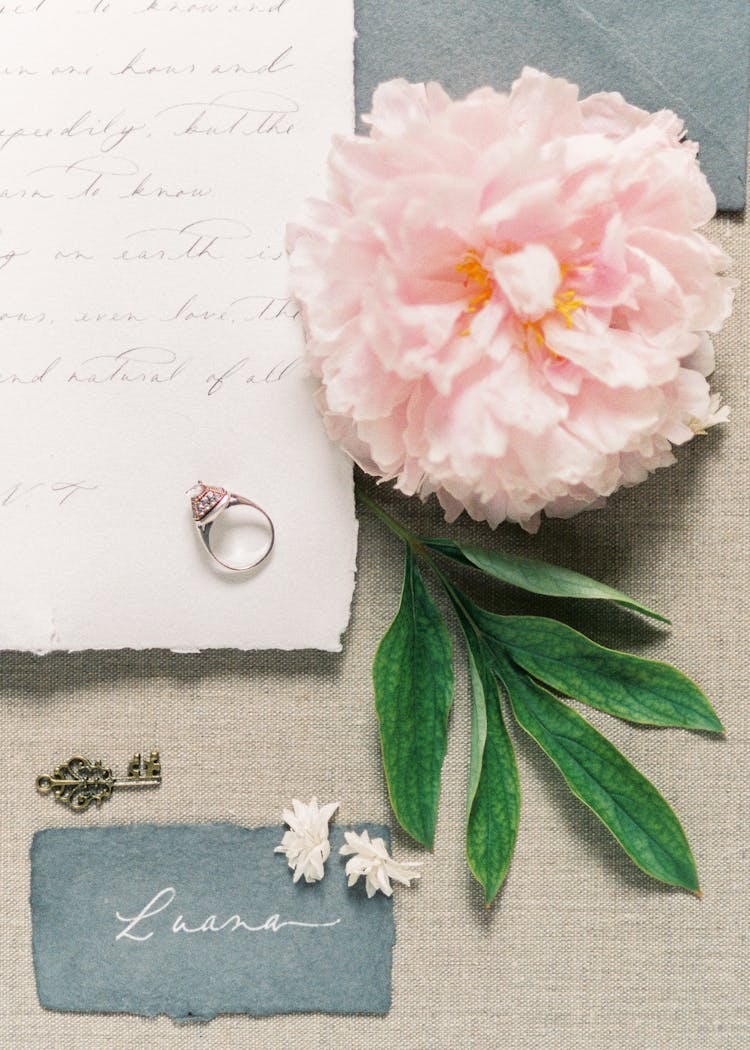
pixel 506 300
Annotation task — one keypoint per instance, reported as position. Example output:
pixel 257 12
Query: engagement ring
pixel 210 503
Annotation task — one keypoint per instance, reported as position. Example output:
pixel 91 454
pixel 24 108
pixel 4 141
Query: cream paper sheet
pixel 151 153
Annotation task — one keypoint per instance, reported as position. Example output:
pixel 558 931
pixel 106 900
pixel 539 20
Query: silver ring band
pixel 208 503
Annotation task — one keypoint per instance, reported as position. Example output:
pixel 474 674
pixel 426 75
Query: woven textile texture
pixel 580 951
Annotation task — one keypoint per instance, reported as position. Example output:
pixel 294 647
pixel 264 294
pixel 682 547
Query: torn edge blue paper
pixel 686 55
pixel 198 920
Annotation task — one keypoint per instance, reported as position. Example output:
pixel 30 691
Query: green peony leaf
pixel 626 686
pixel 535 576
pixel 494 796
pixel 479 693
pixel 494 810
pixel 597 773
pixel 413 676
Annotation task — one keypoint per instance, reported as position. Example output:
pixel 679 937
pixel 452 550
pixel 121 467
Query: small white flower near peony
pixel 371 859
pixel 306 843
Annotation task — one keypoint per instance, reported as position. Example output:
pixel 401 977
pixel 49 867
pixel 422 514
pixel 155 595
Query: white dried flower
pixel 371 859
pixel 306 843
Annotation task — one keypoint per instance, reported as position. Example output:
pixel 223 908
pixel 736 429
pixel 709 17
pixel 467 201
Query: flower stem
pixel 421 551
pixel 457 599
pixel 393 525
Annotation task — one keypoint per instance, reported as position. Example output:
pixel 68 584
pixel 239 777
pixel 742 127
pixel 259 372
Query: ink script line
pixel 165 898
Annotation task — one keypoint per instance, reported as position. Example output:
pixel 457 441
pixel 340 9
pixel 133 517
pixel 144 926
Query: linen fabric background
pixel 581 951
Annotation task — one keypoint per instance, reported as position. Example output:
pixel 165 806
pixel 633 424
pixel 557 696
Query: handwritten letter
pixel 151 154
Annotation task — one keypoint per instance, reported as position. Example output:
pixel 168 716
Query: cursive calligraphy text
pixel 164 899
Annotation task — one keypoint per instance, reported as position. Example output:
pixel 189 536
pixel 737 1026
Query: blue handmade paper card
pixel 198 920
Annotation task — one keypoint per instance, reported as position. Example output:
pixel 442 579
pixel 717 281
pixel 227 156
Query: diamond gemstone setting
pixel 204 498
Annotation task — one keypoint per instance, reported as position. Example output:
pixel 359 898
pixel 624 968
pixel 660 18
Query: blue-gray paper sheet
pixel 175 958
pixel 692 56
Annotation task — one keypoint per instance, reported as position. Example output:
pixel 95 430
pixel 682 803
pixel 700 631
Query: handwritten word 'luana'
pixel 164 899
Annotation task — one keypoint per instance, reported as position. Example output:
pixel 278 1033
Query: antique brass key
pixel 79 781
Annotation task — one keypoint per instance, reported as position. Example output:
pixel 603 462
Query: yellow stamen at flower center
pixel 535 328
pixel 475 272
pixel 696 426
pixel 566 302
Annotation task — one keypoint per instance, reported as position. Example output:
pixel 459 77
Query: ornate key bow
pixel 79 781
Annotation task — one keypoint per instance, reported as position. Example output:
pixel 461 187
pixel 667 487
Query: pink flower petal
pixel 529 279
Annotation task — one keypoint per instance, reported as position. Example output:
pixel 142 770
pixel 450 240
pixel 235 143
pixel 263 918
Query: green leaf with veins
pixel 413 677
pixel 600 776
pixel 626 686
pixel 494 800
pixel 535 576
